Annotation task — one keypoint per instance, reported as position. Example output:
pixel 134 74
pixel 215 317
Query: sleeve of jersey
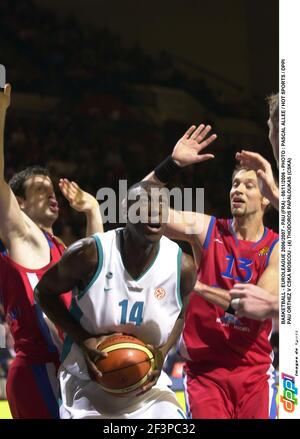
pixel 209 232
pixel 276 240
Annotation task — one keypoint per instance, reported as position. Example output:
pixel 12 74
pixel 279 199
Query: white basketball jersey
pixel 146 307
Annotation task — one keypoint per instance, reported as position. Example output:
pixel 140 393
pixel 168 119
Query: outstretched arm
pixel 186 226
pixel 217 296
pixel 83 202
pixel 187 281
pixel 13 222
pixel 186 152
pixel 4 104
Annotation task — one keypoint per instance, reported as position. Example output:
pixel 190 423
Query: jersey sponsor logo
pixel 108 276
pixel 159 293
pixel 228 320
pixel 264 251
pixel 288 399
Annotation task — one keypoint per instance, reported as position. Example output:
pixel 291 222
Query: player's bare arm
pixel 186 226
pixel 23 239
pixel 262 167
pixel 217 296
pixel 187 282
pixel 259 301
pixel 75 269
pixel 84 202
pixel 269 280
pixel 13 224
pixel 259 308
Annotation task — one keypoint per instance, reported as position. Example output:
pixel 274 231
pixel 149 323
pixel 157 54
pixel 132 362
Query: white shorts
pixel 84 399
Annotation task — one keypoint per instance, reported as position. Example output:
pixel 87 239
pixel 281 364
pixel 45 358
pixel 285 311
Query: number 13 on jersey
pixel 242 264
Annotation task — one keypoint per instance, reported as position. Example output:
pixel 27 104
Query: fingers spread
pixel 197 132
pixel 208 141
pixel 189 132
pixel 204 157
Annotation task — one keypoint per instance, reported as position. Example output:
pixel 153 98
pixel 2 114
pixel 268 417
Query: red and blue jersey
pixel 33 340
pixel 212 336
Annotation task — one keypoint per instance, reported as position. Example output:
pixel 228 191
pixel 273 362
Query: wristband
pixel 167 169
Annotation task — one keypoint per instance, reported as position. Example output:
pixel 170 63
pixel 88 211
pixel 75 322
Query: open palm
pixel 187 150
pixel 79 200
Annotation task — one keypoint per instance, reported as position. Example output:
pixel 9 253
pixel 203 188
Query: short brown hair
pixel 273 101
pixel 239 168
pixel 17 182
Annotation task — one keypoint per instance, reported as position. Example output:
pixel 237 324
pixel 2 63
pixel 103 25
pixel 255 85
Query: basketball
pixel 126 366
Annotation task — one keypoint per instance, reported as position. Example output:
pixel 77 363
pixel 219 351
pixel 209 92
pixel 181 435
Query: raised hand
pixel 264 173
pixel 79 200
pixel 5 98
pixel 187 150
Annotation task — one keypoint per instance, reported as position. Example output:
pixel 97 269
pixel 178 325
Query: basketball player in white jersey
pixel 115 277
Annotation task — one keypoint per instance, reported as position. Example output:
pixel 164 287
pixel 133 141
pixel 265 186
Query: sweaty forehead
pixel 245 174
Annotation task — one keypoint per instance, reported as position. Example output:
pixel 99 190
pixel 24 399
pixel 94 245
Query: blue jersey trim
pixel 41 377
pixel 232 231
pixel 271 249
pixel 263 236
pixel 3 250
pixel 44 329
pixel 50 242
pixel 209 232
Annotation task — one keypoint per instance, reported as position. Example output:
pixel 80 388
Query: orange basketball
pixel 126 366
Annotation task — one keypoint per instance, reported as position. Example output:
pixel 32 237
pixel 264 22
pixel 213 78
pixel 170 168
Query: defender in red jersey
pixel 228 372
pixel 28 209
pixel 251 300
